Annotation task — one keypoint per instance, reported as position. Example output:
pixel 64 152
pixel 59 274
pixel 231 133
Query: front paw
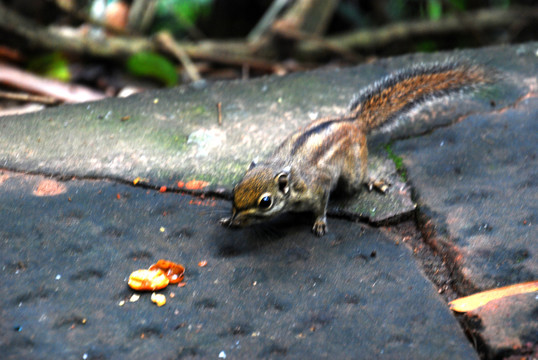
pixel 379 184
pixel 320 227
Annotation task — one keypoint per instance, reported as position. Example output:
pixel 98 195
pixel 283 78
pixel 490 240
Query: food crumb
pixel 121 303
pixel 202 263
pixel 148 280
pixel 158 299
pixel 134 298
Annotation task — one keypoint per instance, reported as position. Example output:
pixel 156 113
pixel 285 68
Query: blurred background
pixel 56 51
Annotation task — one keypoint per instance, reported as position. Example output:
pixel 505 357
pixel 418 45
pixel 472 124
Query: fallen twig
pixel 17 78
pixel 25 109
pixel 266 21
pixel 219 113
pixel 28 97
pixel 168 43
pixel 283 30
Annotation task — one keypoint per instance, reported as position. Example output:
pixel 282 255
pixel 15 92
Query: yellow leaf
pixel 474 301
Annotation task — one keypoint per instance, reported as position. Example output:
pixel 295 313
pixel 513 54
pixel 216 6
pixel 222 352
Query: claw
pixel 379 184
pixel 320 227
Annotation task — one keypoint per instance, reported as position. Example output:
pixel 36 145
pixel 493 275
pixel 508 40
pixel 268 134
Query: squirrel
pixel 303 171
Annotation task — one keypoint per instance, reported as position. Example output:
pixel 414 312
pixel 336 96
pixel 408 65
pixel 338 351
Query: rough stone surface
pixel 476 185
pixel 507 324
pixel 276 291
pixel 477 180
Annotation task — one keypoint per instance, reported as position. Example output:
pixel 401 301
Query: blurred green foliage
pixel 426 46
pixel 435 9
pixel 53 65
pixel 458 4
pixel 177 16
pixel 154 66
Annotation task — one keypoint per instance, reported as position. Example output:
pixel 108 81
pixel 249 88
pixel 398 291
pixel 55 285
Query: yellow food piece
pixel 148 280
pixel 158 299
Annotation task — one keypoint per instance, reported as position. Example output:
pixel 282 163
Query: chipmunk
pixel 307 166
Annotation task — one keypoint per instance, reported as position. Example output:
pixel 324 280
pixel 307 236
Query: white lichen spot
pixel 206 140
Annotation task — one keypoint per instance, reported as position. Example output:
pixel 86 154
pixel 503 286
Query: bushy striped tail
pixel 399 93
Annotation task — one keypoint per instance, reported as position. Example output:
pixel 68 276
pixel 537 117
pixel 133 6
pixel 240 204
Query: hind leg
pixel 356 170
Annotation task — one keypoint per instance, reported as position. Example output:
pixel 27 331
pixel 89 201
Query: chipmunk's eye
pixel 265 201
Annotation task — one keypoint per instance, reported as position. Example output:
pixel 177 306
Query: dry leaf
pixel 474 301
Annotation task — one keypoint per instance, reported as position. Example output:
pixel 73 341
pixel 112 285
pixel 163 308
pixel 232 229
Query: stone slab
pixel 266 292
pixel 507 326
pixel 475 183
pixel 172 135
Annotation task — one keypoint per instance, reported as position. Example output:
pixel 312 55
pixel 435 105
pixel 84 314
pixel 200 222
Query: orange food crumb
pixel 199 202
pixel 196 184
pixel 136 181
pixel 162 189
pixel 148 280
pixel 118 196
pixel 181 284
pixel 180 184
pixel 202 263
pixel 174 272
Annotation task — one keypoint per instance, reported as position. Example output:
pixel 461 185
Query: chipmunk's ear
pixel 253 164
pixel 283 181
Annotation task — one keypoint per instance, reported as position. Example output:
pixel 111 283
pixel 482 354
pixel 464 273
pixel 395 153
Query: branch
pixel 480 20
pixel 110 46
pixel 71 40
pixel 239 52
